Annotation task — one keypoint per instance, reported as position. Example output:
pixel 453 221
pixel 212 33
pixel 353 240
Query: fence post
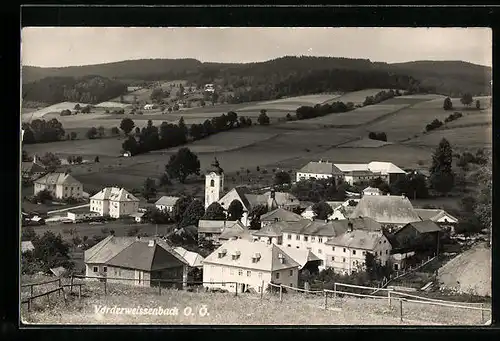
pixel 80 291
pixel 31 290
pixel 389 298
pixel 482 313
pixel 334 290
pixel 262 290
pixel 281 293
pixel 105 287
pixel 235 289
pixel 401 310
pixel 59 291
pixel 326 299
pixel 71 284
pixel 159 288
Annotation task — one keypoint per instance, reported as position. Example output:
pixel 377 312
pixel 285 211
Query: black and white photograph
pixel 255 176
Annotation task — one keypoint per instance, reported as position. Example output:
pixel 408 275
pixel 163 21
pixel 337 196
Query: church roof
pixel 215 167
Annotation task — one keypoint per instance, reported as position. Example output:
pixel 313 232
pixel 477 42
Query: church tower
pixel 214 183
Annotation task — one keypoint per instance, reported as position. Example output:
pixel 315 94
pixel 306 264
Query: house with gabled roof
pixel 32 170
pixel 244 265
pixel 372 191
pixel 194 260
pixel 391 211
pixel 136 261
pixel 236 231
pixel 319 170
pixel 279 214
pixel 417 236
pixel 212 229
pixel 114 202
pixel 60 185
pixel 439 216
pixel 364 172
pixel 166 203
pixel 346 253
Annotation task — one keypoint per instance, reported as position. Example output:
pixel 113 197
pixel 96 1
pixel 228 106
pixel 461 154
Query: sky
pixel 68 46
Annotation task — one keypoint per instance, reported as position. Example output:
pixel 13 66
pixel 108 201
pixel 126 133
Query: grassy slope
pixel 244 309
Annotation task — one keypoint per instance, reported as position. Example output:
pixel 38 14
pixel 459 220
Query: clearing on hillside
pixel 55 108
pixel 471 118
pixel 356 97
pixel 356 117
pixel 467 137
pixel 364 143
pixel 291 103
pixel 468 272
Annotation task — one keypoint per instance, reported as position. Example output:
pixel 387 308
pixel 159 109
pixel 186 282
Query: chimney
pixel 151 243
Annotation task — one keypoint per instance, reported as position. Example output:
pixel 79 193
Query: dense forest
pixel 86 89
pixel 286 76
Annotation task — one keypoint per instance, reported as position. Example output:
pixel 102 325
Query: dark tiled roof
pixel 281 214
pixel 386 209
pixel 320 168
pixel 425 226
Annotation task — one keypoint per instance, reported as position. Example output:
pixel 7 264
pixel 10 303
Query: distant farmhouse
pixel 114 202
pixel 60 185
pixel 350 173
pixel 166 203
pixel 32 170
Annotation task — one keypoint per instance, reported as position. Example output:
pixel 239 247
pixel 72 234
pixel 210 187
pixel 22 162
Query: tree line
pixel 172 135
pixel 41 131
pixel 86 89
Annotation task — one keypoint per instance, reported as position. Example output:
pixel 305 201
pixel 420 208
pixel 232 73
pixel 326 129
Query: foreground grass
pixel 244 309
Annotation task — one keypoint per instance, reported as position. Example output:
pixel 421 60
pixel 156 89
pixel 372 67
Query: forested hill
pixel 445 77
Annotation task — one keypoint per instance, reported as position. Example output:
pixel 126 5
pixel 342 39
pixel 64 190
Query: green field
pixel 292 103
pixel 356 97
pixel 467 137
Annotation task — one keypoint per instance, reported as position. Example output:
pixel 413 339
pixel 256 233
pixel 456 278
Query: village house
pixel 363 173
pixel 212 229
pixel 393 212
pixel 320 170
pixel 279 214
pixel 244 265
pixel 346 253
pixel 60 185
pixel 236 231
pixel 440 217
pixel 214 188
pixel 32 170
pixel 418 236
pixel 166 203
pixel 272 233
pixel 194 260
pixel 341 210
pixel 114 202
pixel 136 261
pixel 81 214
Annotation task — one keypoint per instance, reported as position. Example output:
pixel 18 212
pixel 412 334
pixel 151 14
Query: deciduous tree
pixel 214 212
pixel 182 164
pixel 235 210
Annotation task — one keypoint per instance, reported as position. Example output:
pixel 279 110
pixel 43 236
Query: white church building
pixel 214 192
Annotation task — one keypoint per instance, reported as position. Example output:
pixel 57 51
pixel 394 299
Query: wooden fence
pixel 390 297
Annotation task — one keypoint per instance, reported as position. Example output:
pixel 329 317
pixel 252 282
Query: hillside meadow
pixel 466 137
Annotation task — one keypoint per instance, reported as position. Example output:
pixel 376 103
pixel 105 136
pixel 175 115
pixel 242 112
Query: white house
pixel 149 107
pixel 212 229
pixel 347 253
pixel 244 265
pixel 60 185
pixel 439 216
pixel 32 170
pixel 83 213
pixel 364 172
pixel 319 170
pixel 341 210
pixel 114 202
pixel 194 259
pixel 166 203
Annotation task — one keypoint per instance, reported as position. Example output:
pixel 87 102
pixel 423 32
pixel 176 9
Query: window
pixel 212 183
pixel 320 240
pixel 288 245
pixel 343 260
pixel 380 253
pixel 384 241
pixel 333 248
pixel 313 239
pixel 297 246
pixel 96 269
pixel 291 273
pixel 297 237
pixel 333 259
pixel 249 273
pixel 353 252
pixel 277 275
pixel 105 269
pixel 305 238
pixel 240 272
pixel 289 236
pixel 364 253
pixel 65 188
pixel 320 251
pixel 344 249
pixel 260 274
pixel 386 252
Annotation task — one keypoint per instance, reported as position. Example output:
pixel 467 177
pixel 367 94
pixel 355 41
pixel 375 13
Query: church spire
pixel 215 167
